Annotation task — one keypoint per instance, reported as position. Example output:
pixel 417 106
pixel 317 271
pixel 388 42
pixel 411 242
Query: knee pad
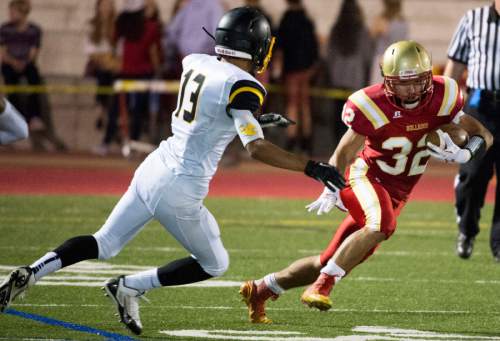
pixel 217 266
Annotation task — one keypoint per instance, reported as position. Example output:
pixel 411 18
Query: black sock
pixel 182 271
pixel 76 249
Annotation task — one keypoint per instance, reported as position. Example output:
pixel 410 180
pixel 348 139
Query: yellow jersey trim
pixel 371 111
pixel 449 98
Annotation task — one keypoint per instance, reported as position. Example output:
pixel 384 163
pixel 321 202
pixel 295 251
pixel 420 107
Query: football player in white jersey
pixel 217 101
pixel 13 127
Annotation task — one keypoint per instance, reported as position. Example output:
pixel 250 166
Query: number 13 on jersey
pixel 188 97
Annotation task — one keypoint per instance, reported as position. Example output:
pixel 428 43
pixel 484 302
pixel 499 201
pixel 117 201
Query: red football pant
pixel 374 209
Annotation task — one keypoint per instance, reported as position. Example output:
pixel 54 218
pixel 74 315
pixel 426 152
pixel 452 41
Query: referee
pixel 475 47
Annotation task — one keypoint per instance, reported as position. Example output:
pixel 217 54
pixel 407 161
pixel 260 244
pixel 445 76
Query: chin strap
pixel 209 34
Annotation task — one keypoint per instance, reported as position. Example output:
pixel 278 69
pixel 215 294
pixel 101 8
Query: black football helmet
pixel 244 32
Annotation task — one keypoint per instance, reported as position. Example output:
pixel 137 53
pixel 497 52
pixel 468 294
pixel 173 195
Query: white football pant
pixel 176 201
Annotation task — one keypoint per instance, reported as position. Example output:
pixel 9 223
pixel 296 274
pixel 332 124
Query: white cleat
pixel 14 285
pixel 127 302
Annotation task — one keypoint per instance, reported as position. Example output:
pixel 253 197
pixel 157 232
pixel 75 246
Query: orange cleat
pixel 317 295
pixel 255 302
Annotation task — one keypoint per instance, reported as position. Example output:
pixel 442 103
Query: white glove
pixel 450 152
pixel 326 201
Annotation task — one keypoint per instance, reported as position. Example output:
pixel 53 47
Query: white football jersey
pixel 202 124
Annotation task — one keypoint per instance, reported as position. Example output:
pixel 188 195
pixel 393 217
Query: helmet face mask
pixel 409 90
pixel 407 72
pixel 245 33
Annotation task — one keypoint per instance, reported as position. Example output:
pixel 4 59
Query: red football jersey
pixel 395 154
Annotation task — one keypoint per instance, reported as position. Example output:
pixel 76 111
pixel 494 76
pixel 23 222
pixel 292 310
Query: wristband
pixel 476 146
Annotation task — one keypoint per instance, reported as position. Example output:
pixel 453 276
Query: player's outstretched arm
pixel 273 155
pixel 348 148
pixel 13 127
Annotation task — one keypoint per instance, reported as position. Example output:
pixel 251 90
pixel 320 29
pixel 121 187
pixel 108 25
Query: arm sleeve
pixel 246 95
pixel 460 44
pixel 13 127
pixel 246 125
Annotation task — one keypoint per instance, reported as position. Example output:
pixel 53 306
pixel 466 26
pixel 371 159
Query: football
pixel 458 135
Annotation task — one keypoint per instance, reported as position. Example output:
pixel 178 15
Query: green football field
pixel 413 288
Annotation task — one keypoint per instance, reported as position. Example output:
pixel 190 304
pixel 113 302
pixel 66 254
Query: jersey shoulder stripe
pixel 246 95
pixel 369 109
pixel 450 96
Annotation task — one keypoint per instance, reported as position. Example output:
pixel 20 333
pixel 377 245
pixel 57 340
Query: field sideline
pixel 414 288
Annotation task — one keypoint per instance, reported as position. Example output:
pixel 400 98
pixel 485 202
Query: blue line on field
pixel 68 325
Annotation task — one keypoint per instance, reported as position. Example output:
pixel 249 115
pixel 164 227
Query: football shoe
pixel 126 300
pixel 317 295
pixel 465 245
pixel 255 304
pixel 14 285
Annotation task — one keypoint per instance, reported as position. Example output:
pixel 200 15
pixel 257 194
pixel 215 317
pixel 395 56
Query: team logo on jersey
pixel 397 114
pixel 418 126
pixel 248 129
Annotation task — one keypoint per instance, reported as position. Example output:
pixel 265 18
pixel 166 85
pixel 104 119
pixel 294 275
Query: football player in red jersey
pixel 383 155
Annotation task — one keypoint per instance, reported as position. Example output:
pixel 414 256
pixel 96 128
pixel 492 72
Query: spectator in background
pixel 152 13
pixel 184 34
pixel 138 47
pixel 388 27
pixel 13 127
pixel 101 63
pixel 20 42
pixel 474 48
pixel 298 51
pixel 349 58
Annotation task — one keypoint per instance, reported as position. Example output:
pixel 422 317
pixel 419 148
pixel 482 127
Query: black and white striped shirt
pixel 476 43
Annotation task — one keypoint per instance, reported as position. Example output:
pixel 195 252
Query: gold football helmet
pixel 407 70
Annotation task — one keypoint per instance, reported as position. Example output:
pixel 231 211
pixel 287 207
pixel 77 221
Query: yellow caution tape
pixel 160 86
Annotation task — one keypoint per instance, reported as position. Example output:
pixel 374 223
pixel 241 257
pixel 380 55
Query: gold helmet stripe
pixel 366 194
pixel 371 111
pixel 450 96
pixel 267 59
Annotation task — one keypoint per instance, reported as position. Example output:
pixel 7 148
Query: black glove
pixel 327 174
pixel 274 120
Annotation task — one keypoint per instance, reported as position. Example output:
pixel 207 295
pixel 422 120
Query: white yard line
pixel 299 309
pixel 362 333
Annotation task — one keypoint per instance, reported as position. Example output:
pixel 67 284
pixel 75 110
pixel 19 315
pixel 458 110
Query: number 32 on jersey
pixel 401 159
pixel 188 97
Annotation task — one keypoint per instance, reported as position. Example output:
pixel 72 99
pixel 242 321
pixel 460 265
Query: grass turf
pixel 414 281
